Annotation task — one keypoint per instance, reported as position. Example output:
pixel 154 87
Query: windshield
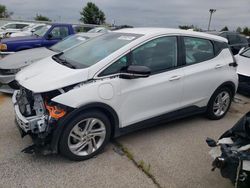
pixel 246 53
pixel 92 51
pixel 41 32
pixel 68 42
pixel 27 28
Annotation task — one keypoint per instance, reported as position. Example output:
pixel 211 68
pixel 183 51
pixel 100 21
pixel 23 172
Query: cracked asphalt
pixel 176 153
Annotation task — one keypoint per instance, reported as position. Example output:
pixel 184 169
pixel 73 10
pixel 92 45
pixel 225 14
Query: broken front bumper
pixel 33 124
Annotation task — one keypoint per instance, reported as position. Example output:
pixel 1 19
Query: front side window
pixel 116 67
pixel 246 53
pixel 96 49
pixel 198 50
pixel 159 54
pixel 59 32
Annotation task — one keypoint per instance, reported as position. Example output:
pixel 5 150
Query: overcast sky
pixel 159 13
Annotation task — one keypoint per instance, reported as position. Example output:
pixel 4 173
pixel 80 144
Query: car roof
pixel 160 31
pixel 90 35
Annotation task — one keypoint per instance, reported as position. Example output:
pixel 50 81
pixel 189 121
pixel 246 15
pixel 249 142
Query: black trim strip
pixel 160 119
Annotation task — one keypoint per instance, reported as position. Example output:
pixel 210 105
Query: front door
pixel 161 92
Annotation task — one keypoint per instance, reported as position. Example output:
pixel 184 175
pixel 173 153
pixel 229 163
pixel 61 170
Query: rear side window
pixel 198 50
pixel 219 46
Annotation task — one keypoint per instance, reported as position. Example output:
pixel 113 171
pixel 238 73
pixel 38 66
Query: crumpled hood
pixel 47 75
pixel 23 58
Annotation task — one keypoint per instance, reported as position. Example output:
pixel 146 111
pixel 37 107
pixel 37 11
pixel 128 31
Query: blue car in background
pixel 44 37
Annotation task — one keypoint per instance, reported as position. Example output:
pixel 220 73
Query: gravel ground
pixel 175 155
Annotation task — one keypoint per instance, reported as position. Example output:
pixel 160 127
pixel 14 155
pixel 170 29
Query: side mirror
pixel 49 36
pixel 33 30
pixel 135 71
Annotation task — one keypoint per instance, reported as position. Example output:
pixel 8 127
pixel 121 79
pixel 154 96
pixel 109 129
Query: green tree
pixel 238 30
pixel 186 27
pixel 40 17
pixel 246 31
pixel 4 13
pixel 224 29
pixel 91 14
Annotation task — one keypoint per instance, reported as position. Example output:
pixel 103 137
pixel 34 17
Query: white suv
pixel 76 101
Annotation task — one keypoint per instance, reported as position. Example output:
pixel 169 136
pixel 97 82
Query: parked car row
pixel 46 36
pixel 13 27
pixel 13 63
pixel 236 41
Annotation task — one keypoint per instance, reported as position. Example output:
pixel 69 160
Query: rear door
pixel 202 71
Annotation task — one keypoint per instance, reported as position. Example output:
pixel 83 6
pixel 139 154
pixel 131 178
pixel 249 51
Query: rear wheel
pixel 219 103
pixel 85 136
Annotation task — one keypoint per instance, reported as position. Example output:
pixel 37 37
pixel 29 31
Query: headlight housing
pixel 3 47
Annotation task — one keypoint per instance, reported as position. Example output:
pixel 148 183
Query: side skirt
pixel 179 114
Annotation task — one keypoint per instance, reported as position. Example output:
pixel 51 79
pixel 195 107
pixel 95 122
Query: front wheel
pixel 219 103
pixel 85 136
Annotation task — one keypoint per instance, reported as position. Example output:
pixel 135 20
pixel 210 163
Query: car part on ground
pixel 13 63
pixel 231 153
pixel 119 82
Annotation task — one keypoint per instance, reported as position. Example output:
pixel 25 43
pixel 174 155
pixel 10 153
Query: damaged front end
pixel 38 116
pixel 231 153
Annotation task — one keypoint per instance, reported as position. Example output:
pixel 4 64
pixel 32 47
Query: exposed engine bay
pixel 37 116
pixel 231 153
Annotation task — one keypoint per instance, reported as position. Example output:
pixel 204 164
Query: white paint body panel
pixel 243 65
pixel 134 100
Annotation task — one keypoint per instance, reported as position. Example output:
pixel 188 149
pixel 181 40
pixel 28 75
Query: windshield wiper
pixel 63 61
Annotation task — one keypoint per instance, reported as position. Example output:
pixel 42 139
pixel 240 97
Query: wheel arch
pixel 230 85
pixel 104 108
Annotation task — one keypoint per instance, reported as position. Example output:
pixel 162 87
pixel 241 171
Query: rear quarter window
pixel 198 50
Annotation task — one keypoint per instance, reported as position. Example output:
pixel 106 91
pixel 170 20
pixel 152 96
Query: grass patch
pixel 144 167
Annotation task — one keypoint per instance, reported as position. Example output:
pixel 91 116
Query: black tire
pixel 210 111
pixel 63 143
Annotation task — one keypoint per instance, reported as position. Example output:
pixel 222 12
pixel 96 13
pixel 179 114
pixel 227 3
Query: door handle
pixel 218 66
pixel 233 64
pixel 177 77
